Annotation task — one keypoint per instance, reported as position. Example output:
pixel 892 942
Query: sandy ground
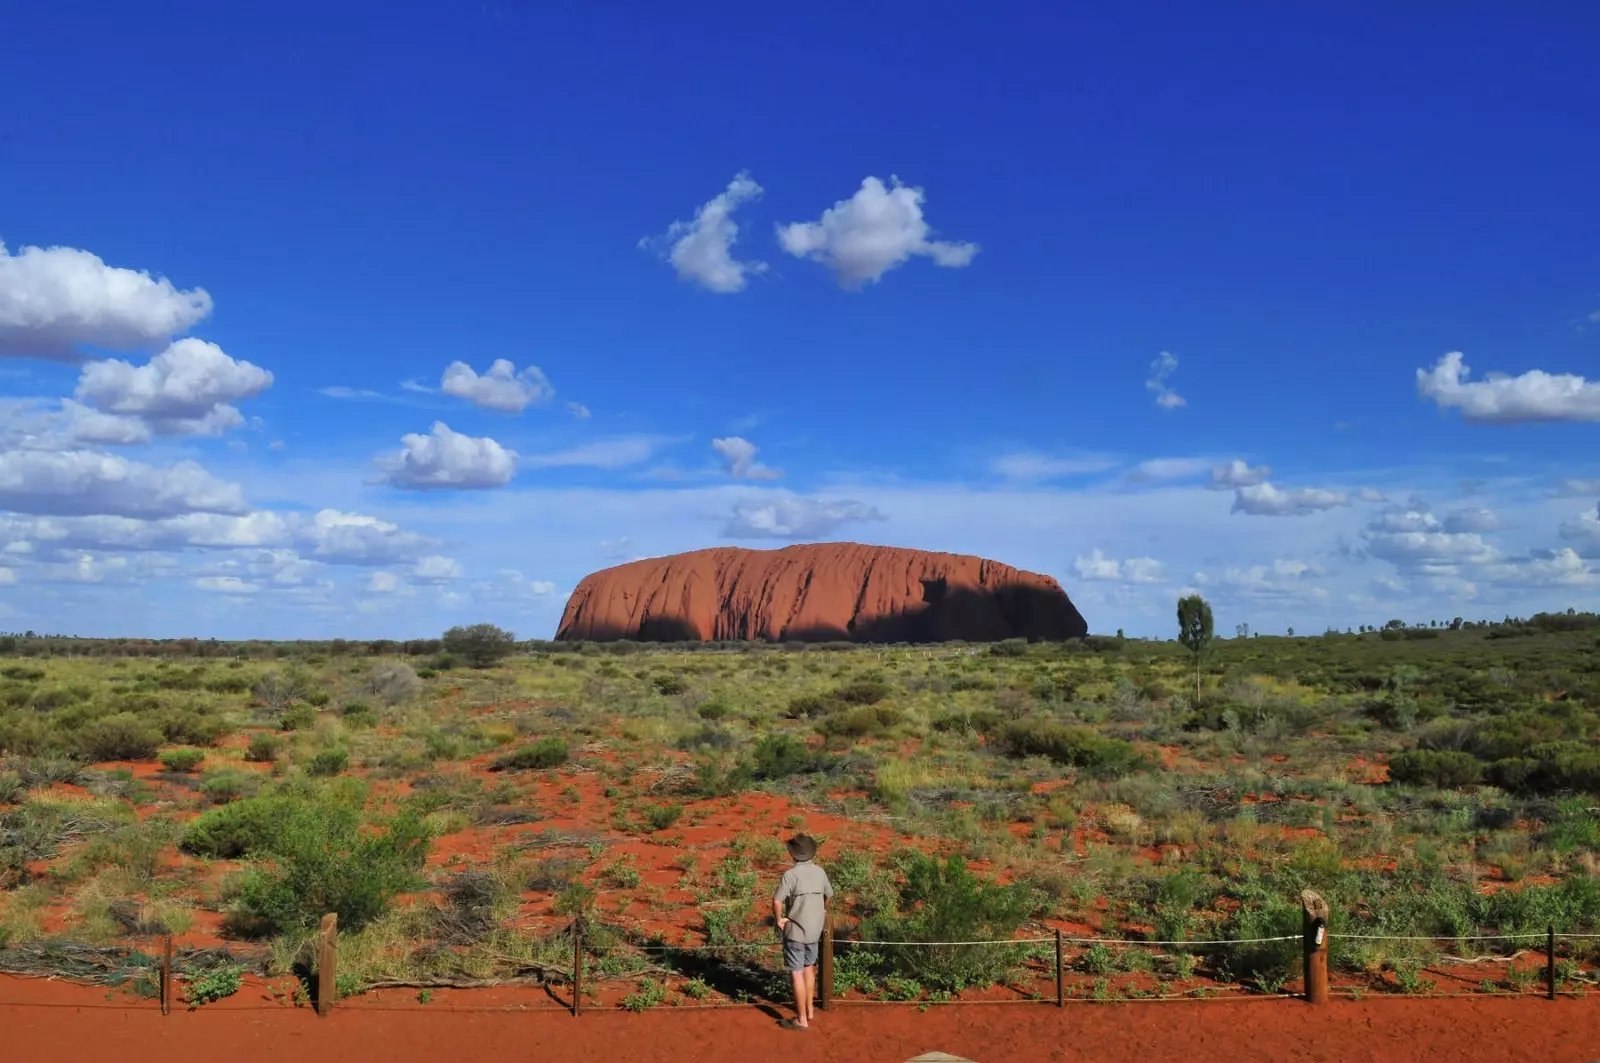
pixel 57 1021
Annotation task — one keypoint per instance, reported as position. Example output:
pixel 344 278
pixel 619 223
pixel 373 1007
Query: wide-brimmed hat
pixel 802 847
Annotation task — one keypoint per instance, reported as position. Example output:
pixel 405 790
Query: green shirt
pixel 806 888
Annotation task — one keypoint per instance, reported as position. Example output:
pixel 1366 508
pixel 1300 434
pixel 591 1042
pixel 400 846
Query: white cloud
pixel 1547 568
pixel 357 539
pixel 339 391
pixel 1161 371
pixel 1027 466
pixel 500 388
pixel 794 518
pixel 1575 488
pixel 1371 494
pixel 1168 469
pixel 702 250
pixel 578 410
pixel 1473 519
pixel 416 386
pixel 56 300
pixel 226 585
pixel 87 425
pixel 77 482
pixel 451 460
pixel 1585 531
pixel 1534 396
pixel 511 587
pixel 1285 579
pixel 1411 537
pixel 872 232
pixel 601 454
pixel 185 390
pixel 739 459
pixel 1265 500
pixel 383 583
pixel 1098 567
pixel 435 569
pixel 1238 474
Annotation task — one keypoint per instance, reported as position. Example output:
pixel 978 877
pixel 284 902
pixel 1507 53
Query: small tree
pixel 481 645
pixel 1194 631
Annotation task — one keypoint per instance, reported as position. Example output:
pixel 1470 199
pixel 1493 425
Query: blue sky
pixel 1145 301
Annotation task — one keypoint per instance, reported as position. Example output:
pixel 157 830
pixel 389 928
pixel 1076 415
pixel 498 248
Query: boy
pixel 806 889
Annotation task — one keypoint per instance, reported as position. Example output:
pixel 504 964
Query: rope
pixel 1077 940
pixel 1443 937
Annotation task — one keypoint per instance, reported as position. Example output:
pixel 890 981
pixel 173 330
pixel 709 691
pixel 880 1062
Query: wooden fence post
pixel 1550 961
pixel 577 965
pixel 1061 995
pixel 1314 925
pixel 166 978
pixel 825 974
pixel 327 963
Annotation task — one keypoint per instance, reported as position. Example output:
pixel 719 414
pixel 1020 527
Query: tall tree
pixel 1194 631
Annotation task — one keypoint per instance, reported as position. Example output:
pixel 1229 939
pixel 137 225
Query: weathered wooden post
pixel 1061 994
pixel 166 978
pixel 327 963
pixel 1314 920
pixel 825 963
pixel 1550 961
pixel 577 965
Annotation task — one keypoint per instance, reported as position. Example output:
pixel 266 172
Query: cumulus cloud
pixel 702 250
pixel 1535 396
pixel 500 388
pixel 1237 474
pixel 81 482
pixel 1545 568
pixel 1265 500
pixel 739 459
pixel 383 583
pixel 86 425
pixel 1371 494
pixel 1285 578
pixel 1411 537
pixel 1585 531
pixel 872 232
pixel 358 539
pixel 187 389
pixel 1098 567
pixel 227 585
pixel 511 587
pixel 1473 519
pixel 1576 488
pixel 795 518
pixel 54 301
pixel 1161 371
pixel 578 410
pixel 1025 466
pixel 436 569
pixel 445 459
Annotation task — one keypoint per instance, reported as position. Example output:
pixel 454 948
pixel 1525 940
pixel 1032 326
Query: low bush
pixel 393 683
pixel 1081 747
pixel 1446 769
pixel 778 756
pixel 546 753
pixel 182 760
pixel 263 748
pixel 329 761
pixel 122 736
pixel 860 721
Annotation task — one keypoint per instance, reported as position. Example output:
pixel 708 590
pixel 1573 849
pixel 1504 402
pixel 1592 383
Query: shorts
pixel 798 955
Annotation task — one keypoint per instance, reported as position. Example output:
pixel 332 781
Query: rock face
pixel 818 592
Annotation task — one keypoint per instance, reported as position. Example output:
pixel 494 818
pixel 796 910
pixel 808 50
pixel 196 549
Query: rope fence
pixel 747 966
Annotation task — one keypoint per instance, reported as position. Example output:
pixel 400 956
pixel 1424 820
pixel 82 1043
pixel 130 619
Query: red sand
pixel 57 1021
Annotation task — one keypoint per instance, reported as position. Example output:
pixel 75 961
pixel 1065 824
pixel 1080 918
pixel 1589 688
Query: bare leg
pixel 800 1004
pixel 811 993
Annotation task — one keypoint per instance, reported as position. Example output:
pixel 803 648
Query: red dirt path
pixel 67 1024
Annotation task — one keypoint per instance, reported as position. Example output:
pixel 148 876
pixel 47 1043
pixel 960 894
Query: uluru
pixel 819 592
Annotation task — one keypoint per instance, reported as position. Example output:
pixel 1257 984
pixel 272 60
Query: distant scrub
pixel 546 753
pixel 1078 746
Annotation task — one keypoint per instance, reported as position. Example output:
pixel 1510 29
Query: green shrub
pixel 263 748
pixel 669 684
pixel 969 721
pixel 123 736
pixel 182 760
pixel 329 761
pixel 1446 769
pixel 549 752
pixel 393 683
pixel 481 645
pixel 661 817
pixel 242 828
pixel 860 721
pixel 778 756
pixel 1010 648
pixel 1078 746
pixel 328 861
pixel 713 710
pixel 228 785
pixel 215 985
pixel 941 901
pixel 301 717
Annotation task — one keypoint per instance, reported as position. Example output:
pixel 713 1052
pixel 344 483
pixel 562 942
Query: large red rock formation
pixel 822 591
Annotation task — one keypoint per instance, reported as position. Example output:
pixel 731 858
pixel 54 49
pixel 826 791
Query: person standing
pixel 800 906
